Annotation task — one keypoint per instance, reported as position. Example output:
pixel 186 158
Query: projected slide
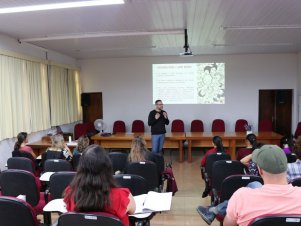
pixel 193 83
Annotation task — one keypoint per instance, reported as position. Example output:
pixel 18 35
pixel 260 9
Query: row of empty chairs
pixel 177 125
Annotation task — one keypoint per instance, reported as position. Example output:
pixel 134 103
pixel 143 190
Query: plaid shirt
pixel 293 170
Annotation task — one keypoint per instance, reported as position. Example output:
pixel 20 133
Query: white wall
pixel 7 43
pixel 126 84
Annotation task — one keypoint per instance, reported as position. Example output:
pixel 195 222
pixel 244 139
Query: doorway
pixel 92 106
pixel 276 106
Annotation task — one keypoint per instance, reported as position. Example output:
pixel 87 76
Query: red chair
pixel 218 125
pixel 197 126
pixel 240 125
pixel 119 127
pixel 265 125
pixel 82 129
pixel 138 126
pixel 298 130
pixel 177 125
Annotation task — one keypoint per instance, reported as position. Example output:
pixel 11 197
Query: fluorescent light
pixel 262 27
pixel 101 35
pixel 63 5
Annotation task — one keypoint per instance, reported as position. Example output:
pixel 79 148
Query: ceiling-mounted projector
pixel 187 50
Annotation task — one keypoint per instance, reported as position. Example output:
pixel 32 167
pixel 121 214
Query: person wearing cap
pixel 276 196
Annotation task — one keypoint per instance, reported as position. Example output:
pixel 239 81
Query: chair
pixel 21 163
pixel 220 171
pixel 197 126
pixel 119 127
pixel 240 125
pixel 147 170
pixel 138 126
pixel 298 130
pixel 75 161
pixel 233 183
pixel 277 220
pixel 218 125
pixel 291 158
pixel 20 182
pixel 82 129
pixel 243 152
pixel 119 161
pixel 297 182
pixel 135 183
pixel 265 125
pixel 177 125
pixel 58 183
pixel 85 219
pixel 51 155
pixel 55 165
pixel 16 212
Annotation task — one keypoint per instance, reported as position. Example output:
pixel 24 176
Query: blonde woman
pixel 139 152
pixel 58 149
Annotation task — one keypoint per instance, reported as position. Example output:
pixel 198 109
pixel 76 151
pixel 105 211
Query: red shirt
pixel 119 202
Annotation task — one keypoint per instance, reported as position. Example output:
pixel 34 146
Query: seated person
pixel 20 145
pixel 82 144
pixel 251 145
pixel 58 149
pixel 139 152
pixel 217 147
pixel 276 196
pixel 294 169
pixel 93 188
pixel 287 144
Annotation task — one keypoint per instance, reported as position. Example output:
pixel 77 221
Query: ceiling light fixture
pixel 101 34
pixel 64 5
pixel 261 27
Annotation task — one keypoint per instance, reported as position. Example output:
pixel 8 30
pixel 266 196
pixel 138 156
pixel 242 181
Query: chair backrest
pixel 75 161
pixel 16 212
pixel 119 161
pixel 234 182
pixel 218 125
pixel 80 130
pixel 212 158
pixel 197 126
pixel 135 183
pixel 20 182
pixel 265 125
pixel 147 170
pixel 119 127
pixel 177 125
pixel 21 163
pixel 222 169
pixel 277 220
pixel 86 219
pixel 56 165
pixel 240 125
pixel 291 158
pixel 138 126
pixel 58 183
pixel 298 130
pixel 297 182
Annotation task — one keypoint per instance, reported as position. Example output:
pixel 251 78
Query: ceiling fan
pixel 187 50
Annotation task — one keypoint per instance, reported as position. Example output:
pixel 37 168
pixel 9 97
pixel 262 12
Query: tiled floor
pixel 184 203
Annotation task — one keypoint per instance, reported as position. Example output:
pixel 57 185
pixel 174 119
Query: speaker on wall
pixel 85 99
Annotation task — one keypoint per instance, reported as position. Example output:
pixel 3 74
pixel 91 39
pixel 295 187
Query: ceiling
pixel 156 27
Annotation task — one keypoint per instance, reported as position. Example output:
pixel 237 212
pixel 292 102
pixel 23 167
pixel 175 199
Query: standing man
pixel 157 119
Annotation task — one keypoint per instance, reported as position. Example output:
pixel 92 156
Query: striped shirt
pixel 293 170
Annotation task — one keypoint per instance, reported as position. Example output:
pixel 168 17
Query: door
pixel 276 105
pixel 92 106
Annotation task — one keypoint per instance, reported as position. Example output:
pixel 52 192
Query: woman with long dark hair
pixel 251 145
pixel 20 145
pixel 217 147
pixel 93 188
